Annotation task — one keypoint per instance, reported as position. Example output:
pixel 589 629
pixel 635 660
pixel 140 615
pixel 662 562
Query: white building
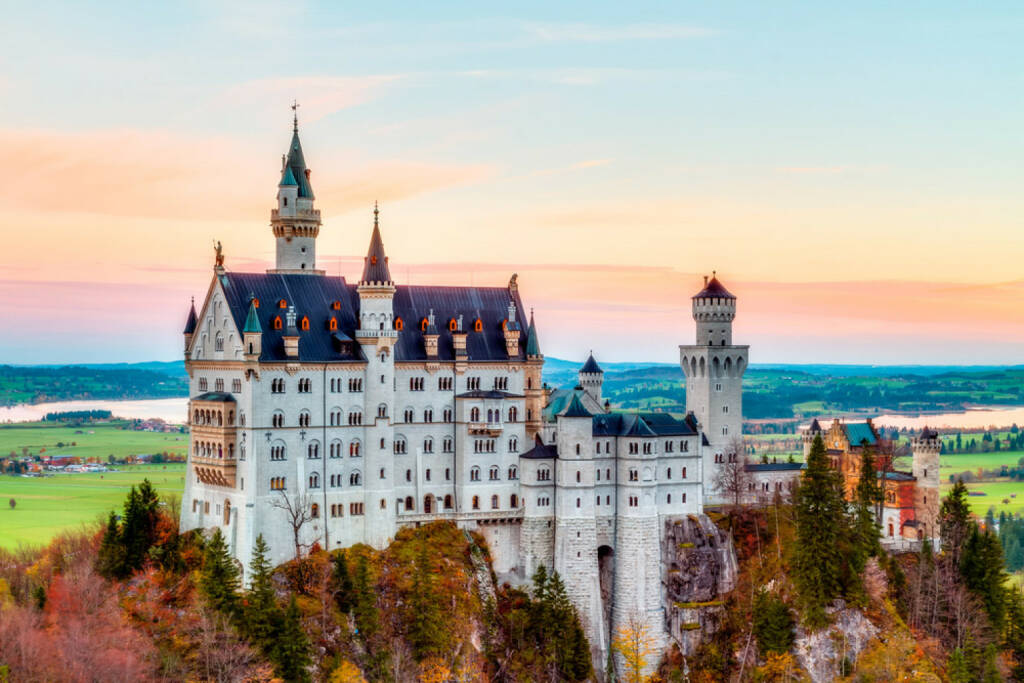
pixel 371 406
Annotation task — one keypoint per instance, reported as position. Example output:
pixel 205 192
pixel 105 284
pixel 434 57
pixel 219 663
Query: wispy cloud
pixel 593 33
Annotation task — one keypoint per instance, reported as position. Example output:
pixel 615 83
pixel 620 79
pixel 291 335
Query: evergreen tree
pixel 956 668
pixel 291 655
pixel 219 578
pixel 110 560
pixel 342 582
pixel 138 531
pixel 869 496
pixel 364 603
pixel 820 522
pixel 982 568
pixel 425 619
pixel 773 624
pixel 262 613
pixel 955 521
pixel 569 646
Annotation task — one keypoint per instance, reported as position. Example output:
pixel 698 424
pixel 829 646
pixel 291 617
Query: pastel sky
pixel 852 171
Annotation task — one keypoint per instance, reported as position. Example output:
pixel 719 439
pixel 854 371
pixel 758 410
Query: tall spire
pixel 252 320
pixel 532 343
pixel 296 163
pixel 295 116
pixel 190 324
pixel 375 268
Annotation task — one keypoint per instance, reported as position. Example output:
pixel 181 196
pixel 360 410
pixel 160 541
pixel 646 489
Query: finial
pixel 705 280
pixel 295 116
pixel 376 213
pixel 714 273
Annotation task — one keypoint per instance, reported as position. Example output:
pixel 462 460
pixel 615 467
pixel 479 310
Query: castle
pixel 335 413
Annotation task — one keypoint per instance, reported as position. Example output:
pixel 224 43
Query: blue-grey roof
pixel 296 164
pixel 287 178
pixel 252 320
pixel 900 476
pixel 858 432
pixel 219 396
pixel 540 451
pixel 773 466
pixel 714 290
pixel 642 425
pixel 490 393
pixel 192 321
pixel 313 296
pixel 532 342
pixel 576 408
pixel 375 266
pixel 591 366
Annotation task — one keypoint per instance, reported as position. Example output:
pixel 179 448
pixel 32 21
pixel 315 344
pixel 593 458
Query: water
pixel 975 418
pixel 168 409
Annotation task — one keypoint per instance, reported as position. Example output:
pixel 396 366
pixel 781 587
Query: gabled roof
pixel 858 432
pixel 375 267
pixel 591 366
pixel 488 393
pixel 643 425
pixel 532 343
pixel 193 320
pixel 252 321
pixel 713 289
pixel 815 426
pixel 576 408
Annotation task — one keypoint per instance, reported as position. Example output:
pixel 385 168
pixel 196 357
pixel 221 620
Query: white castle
pixel 347 411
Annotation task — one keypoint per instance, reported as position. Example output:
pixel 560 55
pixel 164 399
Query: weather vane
pixel 295 115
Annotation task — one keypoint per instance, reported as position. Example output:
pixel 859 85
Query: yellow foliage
pixel 897 659
pixel 434 670
pixel 5 594
pixel 347 672
pixel 633 643
pixel 779 668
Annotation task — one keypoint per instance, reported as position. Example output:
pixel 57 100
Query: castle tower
pixel 591 377
pixel 535 394
pixel 190 326
pixel 925 449
pixel 377 336
pixel 295 222
pixel 714 369
pixel 575 522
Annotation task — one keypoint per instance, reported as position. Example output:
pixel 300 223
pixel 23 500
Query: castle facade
pixel 329 412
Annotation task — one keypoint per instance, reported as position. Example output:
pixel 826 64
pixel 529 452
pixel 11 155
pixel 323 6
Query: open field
pixel 49 505
pixel 996 492
pixel 91 441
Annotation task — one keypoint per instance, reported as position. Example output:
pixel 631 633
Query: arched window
pixel 448 502
pixel 332 324
pixel 513 445
pixel 494 473
pixel 513 414
pixel 399 325
pixel 478 326
pixel 353 449
pixel 314 480
pixel 452 325
pixel 355 479
pixel 282 304
pixel 277 322
pixel 336 305
pixel 313 450
pixel 513 501
pixel 494 502
pixel 513 473
pixel 314 511
pixel 304 324
pixel 474 474
pixel 476 502
pixel 474 415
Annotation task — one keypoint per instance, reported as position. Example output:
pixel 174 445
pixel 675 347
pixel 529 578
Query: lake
pixel 976 418
pixel 167 409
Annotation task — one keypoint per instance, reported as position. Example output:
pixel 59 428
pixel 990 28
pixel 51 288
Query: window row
pixel 493 415
pixel 409 416
pixel 496 502
pixel 218 385
pixel 494 473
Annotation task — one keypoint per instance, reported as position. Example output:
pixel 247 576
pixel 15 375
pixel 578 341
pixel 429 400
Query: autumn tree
pixel 820 522
pixel 298 511
pixel 633 643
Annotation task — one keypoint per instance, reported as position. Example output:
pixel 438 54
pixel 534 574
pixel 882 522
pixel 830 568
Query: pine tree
pixel 426 631
pixel 219 578
pixel 820 523
pixel 773 624
pixel 982 568
pixel 138 532
pixel 569 646
pixel 262 613
pixel 956 668
pixel 364 605
pixel 955 521
pixel 342 582
pixel 291 655
pixel 110 560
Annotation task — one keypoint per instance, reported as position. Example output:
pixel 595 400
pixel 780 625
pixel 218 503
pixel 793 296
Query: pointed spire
pixel 193 319
pixel 576 408
pixel 375 268
pixel 532 343
pixel 252 321
pixel 295 162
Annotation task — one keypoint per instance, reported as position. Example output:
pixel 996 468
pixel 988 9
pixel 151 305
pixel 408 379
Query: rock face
pixel 821 653
pixel 698 567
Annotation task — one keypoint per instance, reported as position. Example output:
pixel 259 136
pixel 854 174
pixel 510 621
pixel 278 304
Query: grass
pixel 48 505
pixel 92 441
pixel 996 492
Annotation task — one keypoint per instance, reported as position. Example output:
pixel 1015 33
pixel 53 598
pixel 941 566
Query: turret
pixel 532 342
pixel 295 222
pixel 926 448
pixel 714 309
pixel 591 378
pixel 252 333
pixel 190 325
pixel 376 288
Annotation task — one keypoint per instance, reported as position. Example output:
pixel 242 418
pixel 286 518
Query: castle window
pixel 428 415
pixel 447 414
pixel 276 324
pixel 513 445
pixel 399 325
pixel 304 324
pixel 304 419
pixel 668 473
pixel 399 445
pixel 355 509
pixel 478 326
pixel 353 449
pixel 277 420
pixel 408 415
pixel 513 414
pixel 474 415
pixel 218 342
pixel 578 476
pixel 426 474
pixel 446 445
pixel 256 303
pixel 332 324
pixel 355 418
pixel 218 384
pixel 355 385
pixel 203 386
pixel 513 474
pixel 668 499
pixel 277 452
pixel 452 325
pixel 355 479
pixel 313 451
pixel 423 325
pixel 684 473
pixel 282 304
pixel 447 474
pixel 474 474
pixel 428 445
pixel 494 503
pixel 314 480
pixel 336 305
pixel 494 473
pixel 476 502
pixel 577 452
pixel 544 474
pixel 382 410
pixel 444 383
pixel 236 387
pixel 579 502
pixel 634 475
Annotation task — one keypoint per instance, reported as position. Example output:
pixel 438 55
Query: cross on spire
pixel 295 116
pixel 376 213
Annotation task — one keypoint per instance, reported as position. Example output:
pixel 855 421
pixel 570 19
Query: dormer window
pixel 452 325
pixel 256 302
pixel 423 325
pixel 478 326
pixel 277 322
pixel 282 304
pixel 332 324
pixel 304 324
pixel 399 325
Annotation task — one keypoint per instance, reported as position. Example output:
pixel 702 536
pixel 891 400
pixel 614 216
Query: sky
pixel 851 171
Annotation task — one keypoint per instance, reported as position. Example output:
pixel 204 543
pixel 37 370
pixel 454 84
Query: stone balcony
pixel 488 428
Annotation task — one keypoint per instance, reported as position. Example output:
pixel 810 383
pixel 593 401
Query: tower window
pixel 399 325
pixel 256 303
pixel 423 325
pixel 332 324
pixel 304 324
pixel 452 325
pixel 277 322
pixel 478 326
pixel 336 305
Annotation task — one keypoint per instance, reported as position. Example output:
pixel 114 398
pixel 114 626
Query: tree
pixel 291 655
pixel 12 503
pixel 731 478
pixel 341 582
pixel 138 530
pixel 633 643
pixel 110 560
pixel 298 510
pixel 955 521
pixel 263 616
pixel 773 624
pixel 820 524
pixel 426 634
pixel 869 496
pixel 364 603
pixel 219 580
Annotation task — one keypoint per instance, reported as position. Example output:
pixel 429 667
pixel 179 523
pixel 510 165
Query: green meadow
pixel 45 506
pixel 99 440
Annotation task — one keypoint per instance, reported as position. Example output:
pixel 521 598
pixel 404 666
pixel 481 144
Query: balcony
pixel 488 428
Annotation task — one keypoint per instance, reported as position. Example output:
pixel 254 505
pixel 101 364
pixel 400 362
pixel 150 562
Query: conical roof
pixel 591 366
pixel 252 321
pixel 296 165
pixel 375 268
pixel 576 408
pixel 532 343
pixel 193 320
pixel 713 289
pixel 287 178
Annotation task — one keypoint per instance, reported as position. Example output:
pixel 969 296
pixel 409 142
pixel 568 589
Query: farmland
pixel 97 440
pixel 45 506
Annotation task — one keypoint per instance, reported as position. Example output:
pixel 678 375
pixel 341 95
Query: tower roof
pixel 713 289
pixel 252 321
pixel 295 165
pixel 287 178
pixel 576 408
pixel 928 433
pixel 193 320
pixel 532 343
pixel 375 268
pixel 591 366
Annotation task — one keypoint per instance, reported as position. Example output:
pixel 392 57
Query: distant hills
pixel 771 391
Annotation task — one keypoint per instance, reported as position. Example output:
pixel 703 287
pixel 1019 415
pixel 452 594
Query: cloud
pixel 592 33
pixel 318 96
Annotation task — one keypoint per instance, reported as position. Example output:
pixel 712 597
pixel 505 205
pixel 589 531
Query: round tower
pixel 591 378
pixel 926 448
pixel 295 222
